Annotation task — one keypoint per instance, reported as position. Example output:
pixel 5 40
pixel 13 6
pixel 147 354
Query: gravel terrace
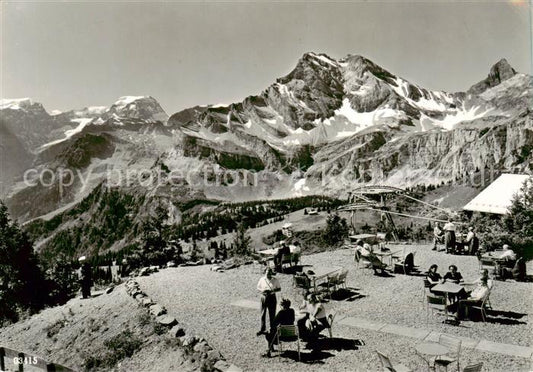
pixel 200 299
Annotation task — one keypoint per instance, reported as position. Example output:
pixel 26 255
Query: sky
pixel 69 55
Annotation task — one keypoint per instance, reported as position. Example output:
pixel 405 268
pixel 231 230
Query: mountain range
pixel 323 128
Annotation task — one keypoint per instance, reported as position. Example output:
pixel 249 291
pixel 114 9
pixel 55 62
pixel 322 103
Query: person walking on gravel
pixel 268 286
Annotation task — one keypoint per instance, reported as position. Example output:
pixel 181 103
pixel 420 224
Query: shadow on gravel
pixel 308 357
pixel 335 343
pixel 318 350
pixel 504 317
pixel 349 294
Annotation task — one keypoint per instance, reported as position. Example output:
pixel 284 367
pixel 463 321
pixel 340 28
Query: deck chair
pixel 473 367
pixel 387 366
pixel 454 345
pixel 287 333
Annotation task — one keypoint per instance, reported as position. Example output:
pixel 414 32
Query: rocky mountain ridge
pixel 323 127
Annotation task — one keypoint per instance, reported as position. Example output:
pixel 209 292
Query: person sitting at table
pixel 471 241
pixel 375 262
pixel 453 275
pixel 507 254
pixel 474 298
pixel 506 260
pixel 278 258
pixel 433 276
pixel 285 316
pixel 438 236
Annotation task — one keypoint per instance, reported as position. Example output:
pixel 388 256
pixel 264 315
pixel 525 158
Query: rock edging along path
pixel 418 333
pixel 199 347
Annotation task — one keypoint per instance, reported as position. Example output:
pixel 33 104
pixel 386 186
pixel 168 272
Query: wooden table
pixel 432 349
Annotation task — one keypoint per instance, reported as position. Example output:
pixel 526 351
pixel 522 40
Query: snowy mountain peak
pixel 15 103
pixel 126 100
pixel 137 107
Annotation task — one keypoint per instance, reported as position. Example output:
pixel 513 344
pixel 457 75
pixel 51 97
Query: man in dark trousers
pixel 86 277
pixel 268 286
pixel 278 258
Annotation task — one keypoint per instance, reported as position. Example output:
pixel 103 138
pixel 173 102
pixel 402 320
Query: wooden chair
pixel 454 345
pixel 473 367
pixel 287 333
pixel 387 366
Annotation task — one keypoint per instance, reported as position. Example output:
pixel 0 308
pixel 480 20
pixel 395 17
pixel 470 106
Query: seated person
pixel 471 241
pixel 507 259
pixel 285 316
pixel 508 254
pixel 475 297
pixel 375 262
pixel 433 276
pixel 278 258
pixel 316 320
pixel 453 275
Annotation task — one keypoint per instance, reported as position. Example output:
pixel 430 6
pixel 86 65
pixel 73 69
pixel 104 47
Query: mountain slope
pixel 325 126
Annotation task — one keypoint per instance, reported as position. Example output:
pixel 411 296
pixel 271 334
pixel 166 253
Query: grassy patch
pixel 119 347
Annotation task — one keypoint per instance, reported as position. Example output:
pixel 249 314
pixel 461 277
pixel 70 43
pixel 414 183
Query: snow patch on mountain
pixel 82 123
pixel 452 119
pixel 434 104
pixel 15 103
pixel 126 100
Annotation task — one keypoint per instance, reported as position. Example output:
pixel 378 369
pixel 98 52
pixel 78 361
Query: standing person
pixel 449 236
pixel 268 286
pixel 278 258
pixel 86 277
pixel 437 235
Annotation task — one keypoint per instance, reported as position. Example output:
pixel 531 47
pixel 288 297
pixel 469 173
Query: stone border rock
pixel 198 348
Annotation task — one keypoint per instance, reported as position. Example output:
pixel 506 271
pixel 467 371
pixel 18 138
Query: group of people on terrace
pixel 462 300
pixel 310 320
pixel 467 243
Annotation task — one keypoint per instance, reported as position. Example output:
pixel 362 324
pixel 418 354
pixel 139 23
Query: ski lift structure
pixel 375 197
